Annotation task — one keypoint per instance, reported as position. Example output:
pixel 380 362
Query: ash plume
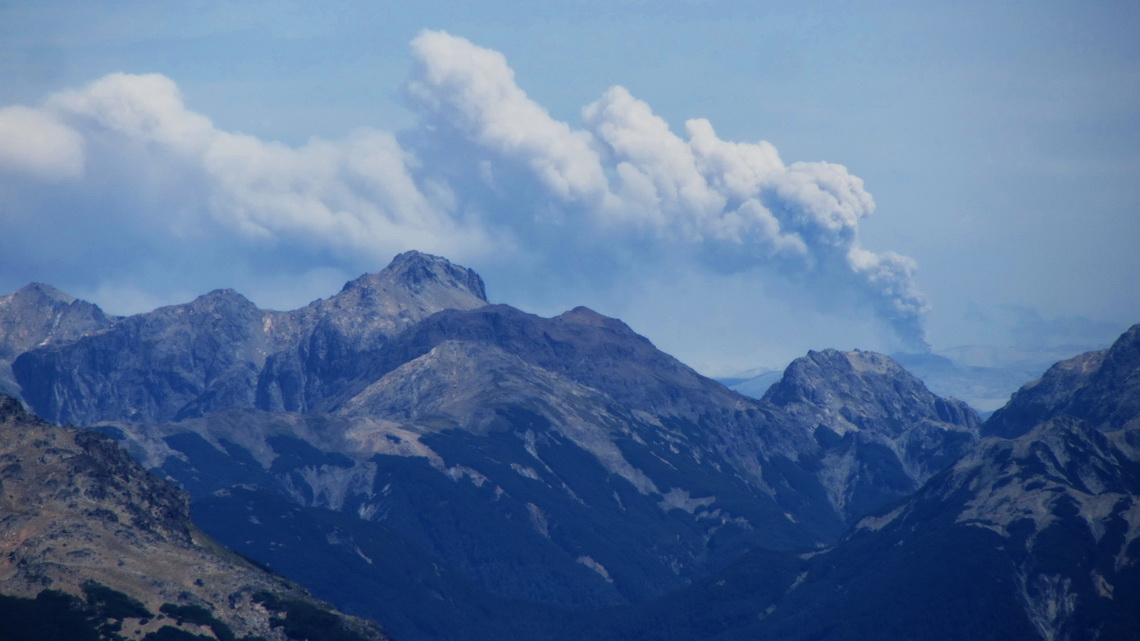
pixel 123 168
pixel 625 175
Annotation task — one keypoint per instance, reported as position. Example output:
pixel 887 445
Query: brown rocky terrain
pixel 76 511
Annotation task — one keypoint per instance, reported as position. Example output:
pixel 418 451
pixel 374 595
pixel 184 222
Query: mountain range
pixel 457 469
pixel 984 376
pixel 1031 535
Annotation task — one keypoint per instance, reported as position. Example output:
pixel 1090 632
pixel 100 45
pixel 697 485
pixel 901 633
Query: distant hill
pixel 753 383
pixel 983 376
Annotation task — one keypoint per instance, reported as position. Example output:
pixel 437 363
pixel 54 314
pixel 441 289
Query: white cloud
pixel 34 143
pixel 734 206
pixel 141 108
pixel 472 89
pixel 487 175
pixel 650 155
pixel 356 195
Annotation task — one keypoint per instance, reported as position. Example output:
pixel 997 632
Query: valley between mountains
pixel 455 469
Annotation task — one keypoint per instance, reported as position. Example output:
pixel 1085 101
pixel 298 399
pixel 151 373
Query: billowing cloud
pixel 732 206
pixel 357 194
pixel 34 144
pixel 123 165
pixel 472 90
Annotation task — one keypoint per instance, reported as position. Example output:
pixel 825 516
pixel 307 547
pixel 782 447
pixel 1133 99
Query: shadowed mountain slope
pixel 1031 537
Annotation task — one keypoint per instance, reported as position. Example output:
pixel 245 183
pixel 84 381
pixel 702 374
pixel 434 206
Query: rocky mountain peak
pixel 583 313
pixel 1102 387
pixel 587 317
pixel 423 274
pixel 40 292
pixel 1122 361
pixel 876 424
pixel 221 300
pixel 834 379
pixel 411 288
pixel 37 313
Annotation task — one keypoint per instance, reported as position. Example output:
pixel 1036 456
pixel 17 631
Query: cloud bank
pixel 122 174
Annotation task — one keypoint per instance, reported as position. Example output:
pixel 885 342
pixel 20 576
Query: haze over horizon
pixel 738 182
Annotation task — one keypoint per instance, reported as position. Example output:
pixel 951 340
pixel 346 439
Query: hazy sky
pixel 739 181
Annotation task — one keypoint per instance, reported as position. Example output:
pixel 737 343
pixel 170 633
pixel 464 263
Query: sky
pixel 738 181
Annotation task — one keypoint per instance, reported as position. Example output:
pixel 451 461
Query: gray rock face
pixel 865 390
pixel 323 347
pixel 1102 388
pixel 880 433
pixel 170 363
pixel 1025 539
pixel 39 315
pixel 1054 507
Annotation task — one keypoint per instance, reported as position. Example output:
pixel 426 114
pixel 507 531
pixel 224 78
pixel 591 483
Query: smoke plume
pixel 625 174
pixel 121 173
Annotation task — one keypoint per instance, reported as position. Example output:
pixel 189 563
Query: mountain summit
pixel 39 314
pixel 412 287
pixel 1102 388
pixel 419 272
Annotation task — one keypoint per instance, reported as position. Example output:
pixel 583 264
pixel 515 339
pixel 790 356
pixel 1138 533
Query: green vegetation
pixel 57 616
pixel 304 621
pixel 197 615
pixel 112 604
pixel 167 633
pixel 51 616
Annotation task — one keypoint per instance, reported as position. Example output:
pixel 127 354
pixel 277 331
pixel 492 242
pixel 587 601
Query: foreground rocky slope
pixel 1032 536
pixel 556 461
pixel 78 517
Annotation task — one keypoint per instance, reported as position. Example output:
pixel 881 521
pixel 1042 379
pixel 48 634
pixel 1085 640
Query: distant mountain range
pixel 983 376
pixel 460 470
pixel 1031 535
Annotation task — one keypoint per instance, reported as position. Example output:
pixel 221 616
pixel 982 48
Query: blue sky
pixel 966 171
